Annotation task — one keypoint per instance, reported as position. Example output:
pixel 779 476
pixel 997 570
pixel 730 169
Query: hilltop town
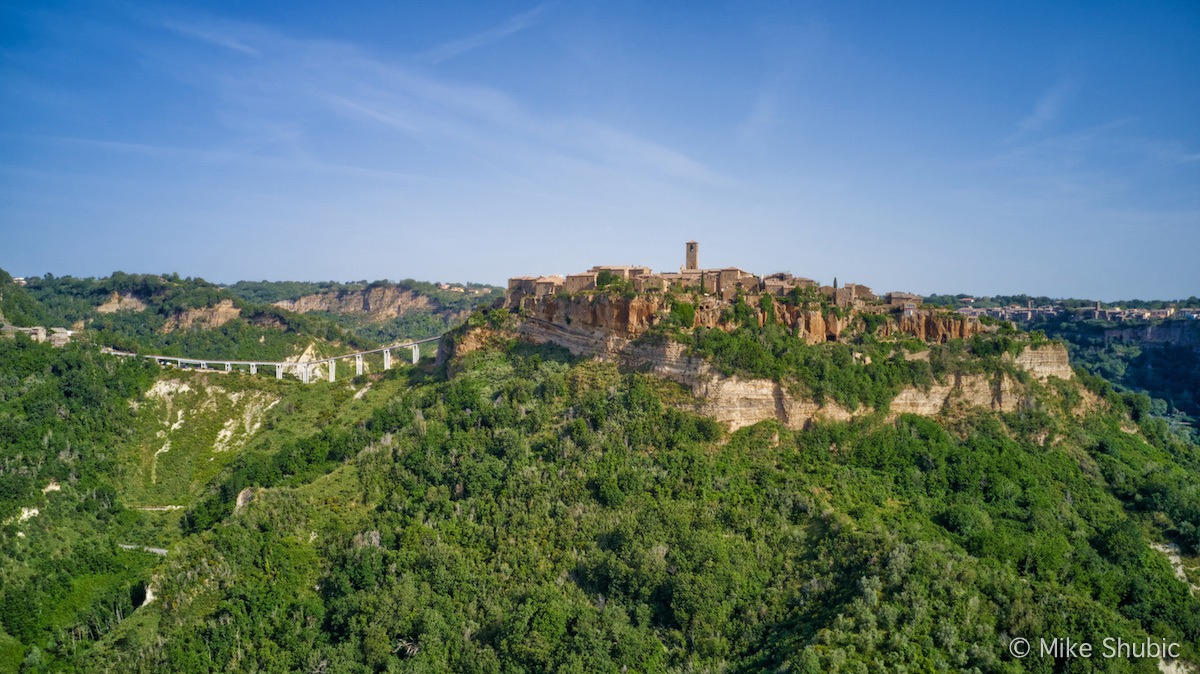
pixel 725 283
pixel 815 312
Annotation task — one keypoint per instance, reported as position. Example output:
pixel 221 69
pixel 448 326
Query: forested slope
pixel 522 510
pixel 170 315
pixel 382 311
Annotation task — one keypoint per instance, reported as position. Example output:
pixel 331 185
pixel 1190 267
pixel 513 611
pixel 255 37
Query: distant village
pixel 725 283
pixel 1031 313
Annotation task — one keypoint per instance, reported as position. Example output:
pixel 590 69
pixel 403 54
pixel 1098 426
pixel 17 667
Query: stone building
pixel 853 295
pixel 897 299
pixel 782 283
pixel 579 282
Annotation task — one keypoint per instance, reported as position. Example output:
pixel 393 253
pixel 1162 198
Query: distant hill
pixel 381 311
pixel 149 313
pixel 17 306
pixel 264 320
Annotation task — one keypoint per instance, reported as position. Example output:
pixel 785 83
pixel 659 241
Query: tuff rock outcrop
pixel 631 317
pixel 378 302
pixel 607 329
pixel 209 317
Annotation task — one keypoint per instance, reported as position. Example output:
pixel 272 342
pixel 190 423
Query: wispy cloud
pixel 299 83
pixel 214 38
pixel 763 115
pixel 297 161
pixel 515 24
pixel 1048 108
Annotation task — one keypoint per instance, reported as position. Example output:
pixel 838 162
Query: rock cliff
pixel 1168 332
pixel 744 401
pixel 209 317
pixel 630 317
pixel 379 302
pixel 1045 361
pixel 118 302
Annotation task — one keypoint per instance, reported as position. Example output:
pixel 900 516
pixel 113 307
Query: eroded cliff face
pixel 732 400
pixel 209 317
pixel 1170 332
pixel 121 302
pixel 933 327
pixel 623 317
pixel 1046 361
pixel 744 401
pixel 380 302
pixel 632 317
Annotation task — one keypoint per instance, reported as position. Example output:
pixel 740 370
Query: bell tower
pixel 692 258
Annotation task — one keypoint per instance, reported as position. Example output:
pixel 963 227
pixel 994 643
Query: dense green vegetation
pixel 535 514
pixel 524 511
pixel 259 332
pixel 1168 372
pixel 65 581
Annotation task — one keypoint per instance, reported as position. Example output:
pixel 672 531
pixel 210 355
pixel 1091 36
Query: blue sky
pixel 1048 148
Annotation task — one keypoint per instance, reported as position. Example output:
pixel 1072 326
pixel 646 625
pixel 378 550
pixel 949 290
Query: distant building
pixel 56 336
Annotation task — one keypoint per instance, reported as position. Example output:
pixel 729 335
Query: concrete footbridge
pixel 304 370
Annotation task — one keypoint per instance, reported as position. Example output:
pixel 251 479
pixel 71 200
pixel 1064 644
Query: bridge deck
pixel 270 363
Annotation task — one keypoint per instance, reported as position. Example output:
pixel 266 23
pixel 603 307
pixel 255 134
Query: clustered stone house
pixel 724 282
pixel 56 336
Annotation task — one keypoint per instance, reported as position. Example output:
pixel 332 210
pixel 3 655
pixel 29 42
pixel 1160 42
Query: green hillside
pixel 176 316
pixel 523 510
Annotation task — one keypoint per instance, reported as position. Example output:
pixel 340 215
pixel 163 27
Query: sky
pixel 986 148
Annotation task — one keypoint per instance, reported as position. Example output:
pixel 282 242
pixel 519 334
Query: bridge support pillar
pixel 203 365
pixel 253 368
pixel 416 353
pixel 358 365
pixel 304 373
pixel 332 369
pixel 387 359
pixel 279 370
pixel 229 367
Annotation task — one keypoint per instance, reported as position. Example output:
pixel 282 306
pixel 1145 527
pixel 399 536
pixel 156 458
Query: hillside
pixel 172 316
pixel 1161 358
pixel 573 496
pixel 381 311
pixel 1157 355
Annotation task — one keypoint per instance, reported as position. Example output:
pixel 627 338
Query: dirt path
pixel 144 548
pixel 1172 552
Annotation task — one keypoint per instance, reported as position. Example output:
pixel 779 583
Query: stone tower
pixel 693 252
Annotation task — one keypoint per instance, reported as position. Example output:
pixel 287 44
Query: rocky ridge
pixel 609 328
pixel 631 317
pixel 209 317
pixel 378 303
